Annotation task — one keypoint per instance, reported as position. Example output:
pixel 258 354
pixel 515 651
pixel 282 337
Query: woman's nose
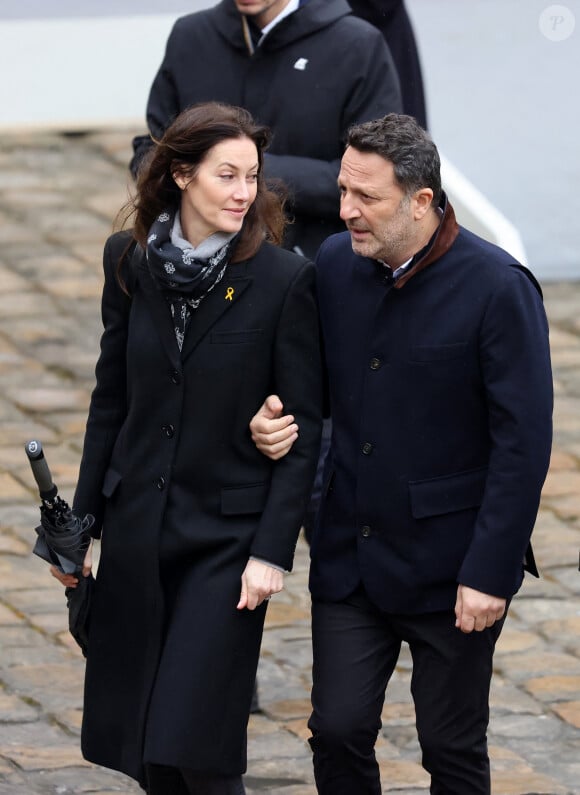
pixel 242 192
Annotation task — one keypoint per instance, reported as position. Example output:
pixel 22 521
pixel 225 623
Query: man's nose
pixel 348 208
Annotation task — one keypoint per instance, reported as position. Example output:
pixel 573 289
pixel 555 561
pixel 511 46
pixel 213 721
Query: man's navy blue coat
pixel 441 403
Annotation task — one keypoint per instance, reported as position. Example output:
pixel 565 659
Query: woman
pixel 198 526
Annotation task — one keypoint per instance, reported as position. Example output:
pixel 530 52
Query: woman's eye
pixel 252 177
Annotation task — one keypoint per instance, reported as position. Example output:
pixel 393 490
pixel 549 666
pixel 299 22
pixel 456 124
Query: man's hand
pixel 71 580
pixel 272 433
pixel 475 610
pixel 259 582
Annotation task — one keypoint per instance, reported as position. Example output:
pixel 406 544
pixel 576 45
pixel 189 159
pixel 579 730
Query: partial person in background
pixel 438 362
pixel 307 69
pixel 392 19
pixel 197 526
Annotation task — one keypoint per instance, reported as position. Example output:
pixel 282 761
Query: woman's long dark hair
pixel 182 148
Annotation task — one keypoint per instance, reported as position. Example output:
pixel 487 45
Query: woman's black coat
pixel 184 498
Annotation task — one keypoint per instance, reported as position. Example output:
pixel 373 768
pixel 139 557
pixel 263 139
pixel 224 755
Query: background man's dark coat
pixel 391 18
pixel 316 73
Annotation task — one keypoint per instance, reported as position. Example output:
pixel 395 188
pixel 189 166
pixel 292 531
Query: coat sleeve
pixel 515 364
pixel 382 8
pixel 108 404
pixel 298 382
pixel 162 107
pixel 141 146
pixel 374 91
pixel 163 104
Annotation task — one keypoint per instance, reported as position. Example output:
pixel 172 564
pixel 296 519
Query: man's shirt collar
pixel 286 11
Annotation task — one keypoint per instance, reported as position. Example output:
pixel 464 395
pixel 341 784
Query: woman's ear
pixel 179 180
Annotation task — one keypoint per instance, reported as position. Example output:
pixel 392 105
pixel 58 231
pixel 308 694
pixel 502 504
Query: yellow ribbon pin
pixel 230 294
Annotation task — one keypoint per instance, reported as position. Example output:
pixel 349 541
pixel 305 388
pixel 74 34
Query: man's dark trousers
pixel 356 647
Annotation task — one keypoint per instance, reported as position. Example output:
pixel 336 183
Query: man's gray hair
pixel 403 142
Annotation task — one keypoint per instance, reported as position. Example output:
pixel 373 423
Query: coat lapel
pixel 161 317
pixel 224 295
pixel 219 300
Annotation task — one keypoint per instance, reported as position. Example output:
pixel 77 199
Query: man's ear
pixel 422 200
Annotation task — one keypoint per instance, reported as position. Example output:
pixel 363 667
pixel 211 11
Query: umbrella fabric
pixel 63 538
pixel 79 606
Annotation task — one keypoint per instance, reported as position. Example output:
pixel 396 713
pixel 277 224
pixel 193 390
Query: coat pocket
pixel 448 493
pixel 437 353
pixel 244 499
pixel 235 337
pixel 110 482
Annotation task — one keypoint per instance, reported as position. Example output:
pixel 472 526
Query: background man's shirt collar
pixel 289 9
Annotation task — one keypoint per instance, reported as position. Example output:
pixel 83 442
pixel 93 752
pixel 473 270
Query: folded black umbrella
pixel 63 541
pixel 79 611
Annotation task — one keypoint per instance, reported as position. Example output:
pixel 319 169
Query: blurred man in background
pixel 392 19
pixel 306 68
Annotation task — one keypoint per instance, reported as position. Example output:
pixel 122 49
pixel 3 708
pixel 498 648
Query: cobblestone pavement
pixel 58 195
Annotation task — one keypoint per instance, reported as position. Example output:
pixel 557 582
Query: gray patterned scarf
pixel 184 273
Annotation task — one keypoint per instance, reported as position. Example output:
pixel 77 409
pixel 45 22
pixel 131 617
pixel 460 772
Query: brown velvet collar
pixel 442 241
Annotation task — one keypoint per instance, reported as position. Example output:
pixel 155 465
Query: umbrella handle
pixel 40 470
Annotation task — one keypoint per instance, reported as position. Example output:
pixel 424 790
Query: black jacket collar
pixel 311 16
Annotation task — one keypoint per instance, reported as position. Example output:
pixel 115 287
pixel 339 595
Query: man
pixel 436 345
pixel 306 68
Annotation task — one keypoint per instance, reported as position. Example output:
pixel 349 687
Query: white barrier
pixel 478 214
pixel 78 74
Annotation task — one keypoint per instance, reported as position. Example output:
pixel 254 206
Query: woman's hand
pixel 273 433
pixel 259 582
pixel 70 580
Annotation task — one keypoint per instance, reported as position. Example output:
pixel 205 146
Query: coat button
pixel 161 483
pixel 375 363
pixel 168 430
pixel 176 376
pixel 365 531
pixel 367 448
